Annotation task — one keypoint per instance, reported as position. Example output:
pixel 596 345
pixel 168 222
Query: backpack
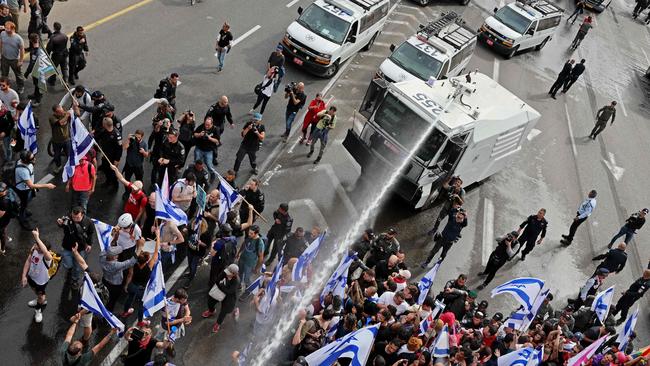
pixel 13 205
pixel 53 268
pixel 9 173
pixel 161 86
pixel 229 251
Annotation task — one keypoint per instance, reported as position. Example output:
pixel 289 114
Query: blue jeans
pixel 69 263
pixel 206 157
pixel 246 273
pixel 6 144
pixel 289 117
pixel 629 234
pixel 193 259
pixel 221 57
pixel 80 199
pixel 134 293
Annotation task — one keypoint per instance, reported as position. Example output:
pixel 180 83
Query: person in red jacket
pixel 315 106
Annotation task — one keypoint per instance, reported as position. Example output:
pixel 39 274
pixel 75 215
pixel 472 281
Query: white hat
pixel 405 273
pixel 232 269
pixel 125 220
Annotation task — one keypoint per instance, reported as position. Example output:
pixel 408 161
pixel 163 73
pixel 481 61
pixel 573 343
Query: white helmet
pixel 125 220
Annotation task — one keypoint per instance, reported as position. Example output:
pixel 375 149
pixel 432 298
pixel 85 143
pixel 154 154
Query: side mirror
pixel 495 10
pixel 352 39
pixel 299 10
pixel 392 47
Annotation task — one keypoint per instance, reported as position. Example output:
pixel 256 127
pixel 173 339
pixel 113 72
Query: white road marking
pixel 413 17
pixel 269 174
pixel 647 60
pixel 46 179
pixel 533 133
pixel 313 209
pixel 389 33
pixel 137 112
pixel 616 171
pixel 121 345
pixel 488 230
pixel 568 121
pixel 385 44
pixel 338 188
pixel 245 35
pixel 495 70
pixel 620 100
pixel 292 3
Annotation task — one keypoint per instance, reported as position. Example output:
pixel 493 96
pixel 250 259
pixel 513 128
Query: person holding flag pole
pixel 229 198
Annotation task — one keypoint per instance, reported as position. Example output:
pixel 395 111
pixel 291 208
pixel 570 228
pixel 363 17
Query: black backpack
pixel 9 173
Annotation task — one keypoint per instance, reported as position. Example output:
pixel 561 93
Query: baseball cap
pixel 257 116
pixel 405 273
pixel 232 269
pixel 645 210
pixel 472 294
pixel 279 48
pixel 97 94
pixel 479 314
pixel 113 251
pixel 602 271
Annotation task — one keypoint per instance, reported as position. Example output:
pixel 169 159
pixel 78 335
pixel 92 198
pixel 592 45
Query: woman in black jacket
pixel 228 284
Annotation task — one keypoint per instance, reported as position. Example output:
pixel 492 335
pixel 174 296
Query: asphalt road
pixel 131 52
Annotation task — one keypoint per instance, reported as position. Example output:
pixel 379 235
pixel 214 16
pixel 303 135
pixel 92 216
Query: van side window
pixel 532 28
pixel 353 30
pixel 461 55
pixel 548 23
pixel 372 17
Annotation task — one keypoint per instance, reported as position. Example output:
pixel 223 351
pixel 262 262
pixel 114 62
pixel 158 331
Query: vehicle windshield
pixel 324 23
pixel 405 126
pixel 416 61
pixel 512 19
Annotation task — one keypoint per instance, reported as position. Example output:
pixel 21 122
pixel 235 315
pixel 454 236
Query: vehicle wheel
pixel 512 53
pixel 423 2
pixel 332 70
pixel 541 45
pixel 464 2
pixel 370 43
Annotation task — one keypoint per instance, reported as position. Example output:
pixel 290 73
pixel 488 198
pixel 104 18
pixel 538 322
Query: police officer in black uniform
pixel 167 89
pixel 632 295
pixel 171 157
pixel 385 246
pixel 110 140
pixel 364 244
pixel 57 48
pixel 96 110
pixel 534 226
pixel 614 260
pixel 507 247
pixel 254 196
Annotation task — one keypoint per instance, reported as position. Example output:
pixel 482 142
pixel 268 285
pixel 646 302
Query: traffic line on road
pixel 115 353
pixel 647 60
pixel 245 35
pixel 616 170
pixel 568 121
pixel 495 70
pixel 488 230
pixel 620 100
pixel 533 133
pixel 46 179
pixel 137 112
pixel 117 14
pixel 292 3
pixel 390 33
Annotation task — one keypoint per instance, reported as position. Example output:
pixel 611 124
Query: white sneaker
pixel 33 303
pixel 38 316
pixel 236 314
pixel 251 111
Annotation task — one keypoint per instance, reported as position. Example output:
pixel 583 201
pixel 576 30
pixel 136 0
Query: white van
pixel 440 49
pixel 521 25
pixel 328 32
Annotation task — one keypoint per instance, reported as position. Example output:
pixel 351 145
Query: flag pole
pixel 169 332
pixel 222 179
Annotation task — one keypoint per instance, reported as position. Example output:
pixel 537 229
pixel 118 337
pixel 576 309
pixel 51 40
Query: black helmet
pixel 226 228
pixel 96 94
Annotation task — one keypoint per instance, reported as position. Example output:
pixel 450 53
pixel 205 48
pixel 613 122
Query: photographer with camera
pixel 326 122
pixel 110 140
pixel 156 139
pixel 449 235
pixel 453 194
pixel 252 137
pixel 136 150
pixel 171 156
pixel 186 127
pixel 78 230
pixel 206 138
pixel 297 98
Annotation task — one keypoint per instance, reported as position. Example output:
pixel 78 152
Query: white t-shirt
pixel 388 298
pixel 37 269
pixel 127 240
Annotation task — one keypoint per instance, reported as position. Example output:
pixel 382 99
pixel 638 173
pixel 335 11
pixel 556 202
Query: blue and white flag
pixel 426 323
pixel 254 287
pixel 165 208
pixel 228 198
pixel 356 346
pixel 518 357
pixel 27 128
pixel 626 329
pixel 91 302
pixel 537 357
pixel 80 143
pixel 104 236
pixel 524 289
pixel 440 347
pixel 602 302
pixel 306 258
pixel 521 319
pixel 426 282
pixel 333 328
pixel 272 288
pixel 243 355
pixel 339 279
pixel 154 294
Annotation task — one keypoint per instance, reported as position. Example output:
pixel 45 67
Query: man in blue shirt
pixel 584 211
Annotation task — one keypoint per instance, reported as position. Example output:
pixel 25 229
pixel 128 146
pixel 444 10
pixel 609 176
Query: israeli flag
pixel 426 323
pixel 154 294
pixel 271 288
pixel 626 329
pixel 426 282
pixel 518 357
pixel 521 319
pixel 602 302
pixel 243 355
pixel 306 258
pixel 254 287
pixel 104 237
pixel 165 208
pixel 339 279
pixel 91 302
pixel 80 143
pixel 27 129
pixel 524 289
pixel 440 347
pixel 356 346
pixel 333 328
pixel 537 357
pixel 228 198
pixel 587 353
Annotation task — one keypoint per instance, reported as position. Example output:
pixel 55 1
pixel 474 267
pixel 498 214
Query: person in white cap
pixel 35 274
pixel 136 200
pixel 127 235
pixel 227 285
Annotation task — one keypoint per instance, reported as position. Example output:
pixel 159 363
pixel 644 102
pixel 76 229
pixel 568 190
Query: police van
pixel 440 49
pixel 521 25
pixel 472 127
pixel 328 32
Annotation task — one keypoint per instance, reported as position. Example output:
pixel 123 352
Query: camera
pixel 289 88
